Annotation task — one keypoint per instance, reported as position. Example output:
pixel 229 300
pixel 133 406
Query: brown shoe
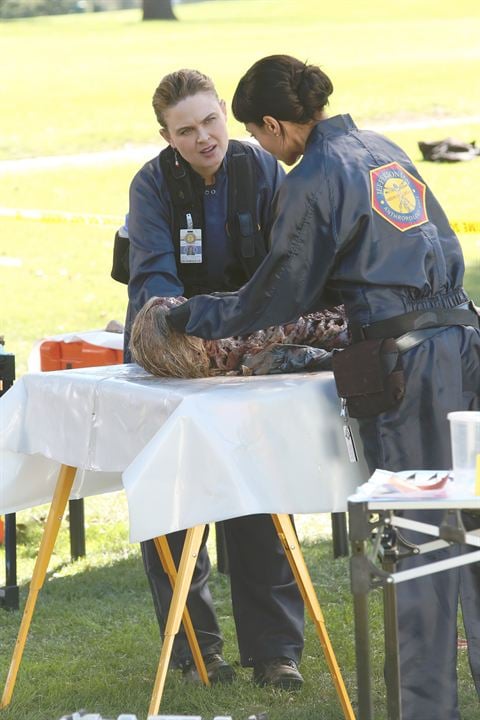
pixel 218 670
pixel 279 672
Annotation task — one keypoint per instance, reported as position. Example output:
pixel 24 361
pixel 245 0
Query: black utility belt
pixel 417 320
pixel 369 373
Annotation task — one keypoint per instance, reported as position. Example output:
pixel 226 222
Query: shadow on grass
pixel 94 644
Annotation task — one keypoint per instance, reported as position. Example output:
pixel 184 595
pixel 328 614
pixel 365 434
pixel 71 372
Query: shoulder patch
pixel 398 196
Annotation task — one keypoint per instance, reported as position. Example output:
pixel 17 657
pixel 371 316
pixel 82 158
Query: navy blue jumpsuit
pixel 355 224
pixel 267 606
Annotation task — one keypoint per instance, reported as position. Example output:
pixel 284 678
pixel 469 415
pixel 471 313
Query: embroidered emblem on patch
pixel 398 196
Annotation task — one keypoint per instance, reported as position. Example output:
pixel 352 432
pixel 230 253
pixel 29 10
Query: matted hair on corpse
pixel 162 351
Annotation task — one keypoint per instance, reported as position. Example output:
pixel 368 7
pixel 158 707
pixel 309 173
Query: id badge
pixel 347 433
pixel 350 442
pixel 191 245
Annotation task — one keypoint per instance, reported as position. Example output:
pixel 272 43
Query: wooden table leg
pixel 168 564
pixel 289 540
pixel 191 548
pixel 57 508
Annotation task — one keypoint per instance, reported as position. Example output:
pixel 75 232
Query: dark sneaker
pixel 280 672
pixel 218 670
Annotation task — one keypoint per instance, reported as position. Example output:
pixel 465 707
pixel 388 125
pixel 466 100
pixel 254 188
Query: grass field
pixel 84 83
pixel 94 640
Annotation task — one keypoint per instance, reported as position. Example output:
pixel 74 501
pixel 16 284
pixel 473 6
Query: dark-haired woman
pixel 267 605
pixel 356 224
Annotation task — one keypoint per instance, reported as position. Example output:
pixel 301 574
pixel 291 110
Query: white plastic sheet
pixel 190 451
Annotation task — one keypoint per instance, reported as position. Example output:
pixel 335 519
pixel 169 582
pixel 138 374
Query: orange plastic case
pixel 59 355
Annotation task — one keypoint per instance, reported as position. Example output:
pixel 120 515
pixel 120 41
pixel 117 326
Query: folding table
pixel 226 446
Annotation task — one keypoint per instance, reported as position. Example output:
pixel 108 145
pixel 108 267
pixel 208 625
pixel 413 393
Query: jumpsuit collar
pixel 338 124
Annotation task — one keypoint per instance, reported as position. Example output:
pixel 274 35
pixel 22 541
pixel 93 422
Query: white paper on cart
pixel 408 484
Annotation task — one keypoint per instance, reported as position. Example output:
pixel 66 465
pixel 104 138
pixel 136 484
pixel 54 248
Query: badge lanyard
pixel 190 242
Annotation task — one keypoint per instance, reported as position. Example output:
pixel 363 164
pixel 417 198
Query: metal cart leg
pixel 76 514
pixel 360 585
pixel 365 576
pixel 362 654
pixel 392 661
pixel 339 534
pixel 9 595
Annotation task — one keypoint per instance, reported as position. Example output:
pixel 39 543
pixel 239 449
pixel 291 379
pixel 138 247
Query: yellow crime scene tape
pixel 60 216
pixel 465 226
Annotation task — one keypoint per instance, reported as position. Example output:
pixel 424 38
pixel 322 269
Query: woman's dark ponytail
pixel 313 90
pixel 283 87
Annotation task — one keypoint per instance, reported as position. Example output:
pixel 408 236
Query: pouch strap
pixel 410 340
pixel 416 320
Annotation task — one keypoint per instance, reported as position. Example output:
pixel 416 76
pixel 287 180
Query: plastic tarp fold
pixel 186 451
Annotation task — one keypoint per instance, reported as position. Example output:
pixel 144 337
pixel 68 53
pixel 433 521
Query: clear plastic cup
pixel 465 436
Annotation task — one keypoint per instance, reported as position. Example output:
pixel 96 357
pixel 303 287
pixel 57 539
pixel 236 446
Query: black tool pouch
pixel 121 262
pixel 369 376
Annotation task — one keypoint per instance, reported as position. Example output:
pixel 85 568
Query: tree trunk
pixel 158 10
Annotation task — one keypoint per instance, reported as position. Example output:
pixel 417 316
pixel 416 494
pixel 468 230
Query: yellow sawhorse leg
pixel 168 564
pixel 57 508
pixel 191 548
pixel 289 540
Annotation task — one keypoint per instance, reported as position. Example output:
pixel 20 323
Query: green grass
pixel 62 284
pixel 94 641
pixel 84 83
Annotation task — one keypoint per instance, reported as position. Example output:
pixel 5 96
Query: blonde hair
pixel 177 86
